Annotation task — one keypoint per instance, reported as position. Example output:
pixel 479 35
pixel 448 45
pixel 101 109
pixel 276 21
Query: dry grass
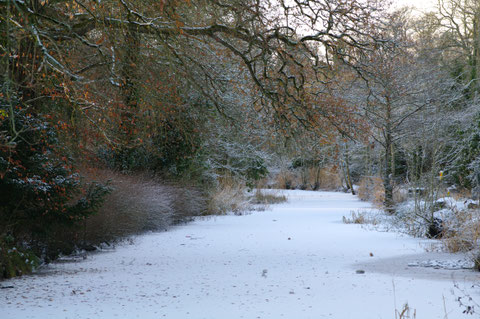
pixel 264 198
pixel 285 179
pixel 462 233
pixel 371 189
pixel 311 178
pixel 476 261
pixel 400 194
pixel 360 217
pixel 405 313
pixel 459 194
pixel 330 178
pixel 457 244
pixel 229 196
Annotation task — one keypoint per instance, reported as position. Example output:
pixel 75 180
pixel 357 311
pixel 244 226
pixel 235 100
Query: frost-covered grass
pixel 361 217
pixel 228 197
pixel 455 221
pixel 297 260
pixel 268 197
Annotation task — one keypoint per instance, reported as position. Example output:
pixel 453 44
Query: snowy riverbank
pixel 297 260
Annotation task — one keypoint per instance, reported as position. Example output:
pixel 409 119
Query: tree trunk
pixel 387 172
pixel 129 92
pixel 476 49
pixel 129 88
pixel 392 149
pixel 347 169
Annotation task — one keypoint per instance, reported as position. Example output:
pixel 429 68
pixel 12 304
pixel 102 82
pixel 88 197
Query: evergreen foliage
pixel 39 190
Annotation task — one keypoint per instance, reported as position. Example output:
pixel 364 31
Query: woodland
pixel 122 116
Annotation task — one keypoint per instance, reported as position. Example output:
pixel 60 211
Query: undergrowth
pixel 304 178
pixel 15 260
pixel 262 197
pixel 140 203
pixel 360 217
pixel 228 196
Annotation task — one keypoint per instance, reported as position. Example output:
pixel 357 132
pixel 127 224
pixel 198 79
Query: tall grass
pixel 371 189
pixel 462 232
pixel 228 196
pixel 262 197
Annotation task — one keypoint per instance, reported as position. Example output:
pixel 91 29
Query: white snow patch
pixel 296 261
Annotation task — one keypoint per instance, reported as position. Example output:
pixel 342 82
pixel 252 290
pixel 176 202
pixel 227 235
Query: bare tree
pixel 459 22
pixel 284 46
pixel 399 86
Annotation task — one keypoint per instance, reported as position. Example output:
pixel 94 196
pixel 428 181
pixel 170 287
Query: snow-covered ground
pixel 297 260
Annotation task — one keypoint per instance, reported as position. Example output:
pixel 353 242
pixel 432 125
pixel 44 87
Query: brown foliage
pixel 228 196
pixel 313 178
pixel 462 232
pixel 371 189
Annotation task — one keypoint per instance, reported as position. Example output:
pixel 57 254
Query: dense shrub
pixel 138 202
pixel 15 261
pixel 172 148
pixel 39 190
pixel 465 169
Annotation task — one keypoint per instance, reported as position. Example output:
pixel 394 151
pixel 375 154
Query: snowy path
pixel 296 261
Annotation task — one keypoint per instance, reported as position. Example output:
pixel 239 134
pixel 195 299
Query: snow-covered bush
pixel 462 230
pixel 140 203
pixel 15 261
pixel 416 218
pixel 41 194
pixel 447 219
